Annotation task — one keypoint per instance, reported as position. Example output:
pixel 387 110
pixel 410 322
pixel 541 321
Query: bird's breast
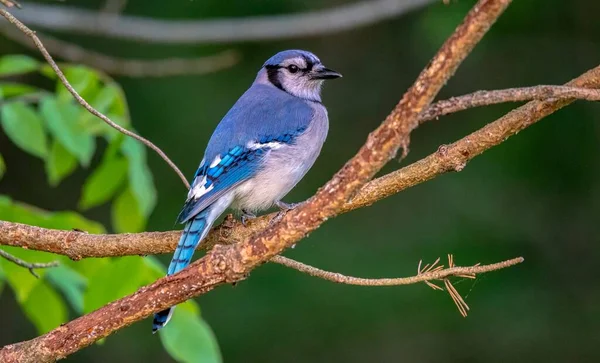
pixel 284 167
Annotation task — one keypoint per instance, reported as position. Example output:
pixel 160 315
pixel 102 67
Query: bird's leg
pixel 283 209
pixel 246 216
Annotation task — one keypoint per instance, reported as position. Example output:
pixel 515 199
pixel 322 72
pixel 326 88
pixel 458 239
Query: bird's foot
pixel 246 216
pixel 283 209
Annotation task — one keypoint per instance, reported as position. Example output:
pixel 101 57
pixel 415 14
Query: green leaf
pixel 187 338
pixel 8 89
pixel 27 214
pixel 62 120
pixel 106 97
pixel 71 283
pixel 59 164
pixel 103 183
pixel 140 175
pixel 126 215
pixel 156 270
pixel 110 101
pixel 20 279
pixel 89 267
pixel 2 166
pixel 45 308
pixel 47 71
pixel 121 277
pixel 83 79
pixel 119 107
pixel 17 64
pixel 25 128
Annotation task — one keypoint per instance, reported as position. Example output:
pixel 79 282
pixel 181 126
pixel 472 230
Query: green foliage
pixel 17 64
pixel 104 182
pixel 71 283
pixel 59 164
pixel 53 127
pixel 64 134
pixel 61 119
pixel 45 308
pixel 23 213
pixel 126 215
pixel 24 127
pixel 8 89
pixel 83 79
pixel 140 176
pixel 188 338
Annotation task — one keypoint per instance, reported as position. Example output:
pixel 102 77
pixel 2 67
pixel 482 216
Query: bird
pixel 259 151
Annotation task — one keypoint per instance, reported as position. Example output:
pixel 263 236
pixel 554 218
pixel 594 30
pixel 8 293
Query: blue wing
pixel 210 183
pixel 261 112
pixel 239 164
pixel 262 115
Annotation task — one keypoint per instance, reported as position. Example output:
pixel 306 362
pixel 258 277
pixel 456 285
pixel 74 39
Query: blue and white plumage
pixel 259 151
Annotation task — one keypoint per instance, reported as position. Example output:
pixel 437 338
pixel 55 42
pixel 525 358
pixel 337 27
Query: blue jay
pixel 259 151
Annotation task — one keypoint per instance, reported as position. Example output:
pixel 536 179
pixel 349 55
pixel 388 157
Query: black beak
pixel 326 73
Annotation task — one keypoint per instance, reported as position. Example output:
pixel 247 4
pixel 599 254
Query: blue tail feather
pixel 187 243
pixel 193 232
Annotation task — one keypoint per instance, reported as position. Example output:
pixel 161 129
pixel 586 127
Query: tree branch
pixel 231 263
pixel 486 98
pixel 438 273
pixel 454 157
pixel 127 67
pixel 226 30
pixel 31 34
pixel 28 265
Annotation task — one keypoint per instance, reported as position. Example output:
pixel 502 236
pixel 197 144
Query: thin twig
pixel 425 275
pixel 10 3
pixel 84 103
pixel 127 67
pixel 28 265
pixel 226 30
pixel 486 98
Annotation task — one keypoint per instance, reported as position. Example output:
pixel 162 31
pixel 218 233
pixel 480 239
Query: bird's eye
pixel 292 68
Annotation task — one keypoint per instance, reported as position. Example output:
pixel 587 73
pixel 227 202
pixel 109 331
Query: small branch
pixel 454 157
pixel 486 98
pixel 84 103
pixel 30 266
pixel 226 30
pixel 127 67
pixel 426 275
pixel 10 3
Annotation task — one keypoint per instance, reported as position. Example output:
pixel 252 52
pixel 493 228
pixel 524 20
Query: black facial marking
pixel 309 63
pixel 273 75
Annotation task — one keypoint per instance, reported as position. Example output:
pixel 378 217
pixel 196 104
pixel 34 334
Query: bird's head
pixel 297 72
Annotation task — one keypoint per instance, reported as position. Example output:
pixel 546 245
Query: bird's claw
pixel 246 216
pixel 284 208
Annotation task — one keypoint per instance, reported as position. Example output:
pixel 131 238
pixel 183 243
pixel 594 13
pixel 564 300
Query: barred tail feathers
pixel 193 232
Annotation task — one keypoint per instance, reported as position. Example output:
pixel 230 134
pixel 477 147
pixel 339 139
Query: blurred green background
pixel 537 195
